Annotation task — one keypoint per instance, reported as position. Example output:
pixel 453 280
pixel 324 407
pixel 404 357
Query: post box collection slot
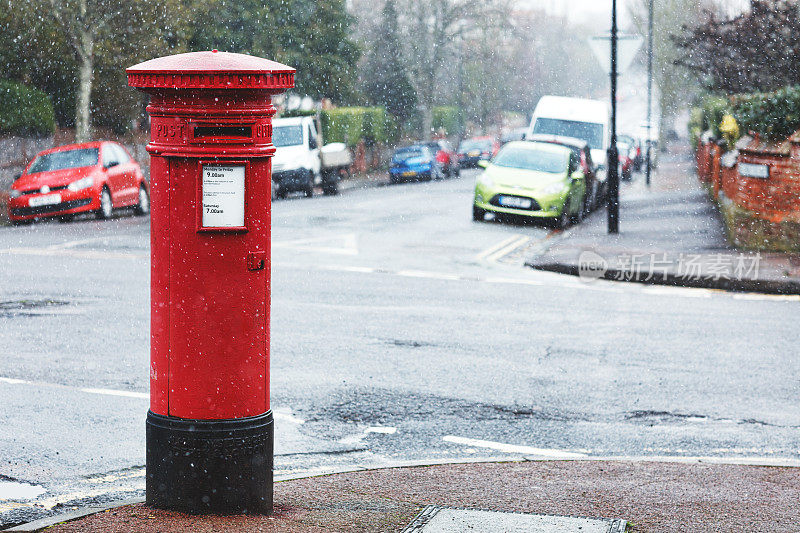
pixel 240 132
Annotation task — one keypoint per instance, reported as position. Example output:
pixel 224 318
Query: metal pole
pixel 613 155
pixel 649 88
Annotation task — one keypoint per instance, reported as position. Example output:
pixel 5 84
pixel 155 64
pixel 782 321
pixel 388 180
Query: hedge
pixel 299 113
pixel 351 125
pixel 714 110
pixel 447 119
pixel 25 110
pixel 775 115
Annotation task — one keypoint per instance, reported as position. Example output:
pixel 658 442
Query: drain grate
pixel 435 519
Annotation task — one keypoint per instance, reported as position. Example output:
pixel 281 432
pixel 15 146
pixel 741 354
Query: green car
pixel 534 179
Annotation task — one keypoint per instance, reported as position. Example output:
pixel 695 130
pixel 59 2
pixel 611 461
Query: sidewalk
pixel 671 234
pixel 365 181
pixel 651 496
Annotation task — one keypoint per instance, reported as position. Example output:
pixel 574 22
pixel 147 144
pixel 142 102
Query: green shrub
pixel 695 126
pixel 25 110
pixel 447 119
pixel 775 115
pixel 299 113
pixel 350 125
pixel 714 110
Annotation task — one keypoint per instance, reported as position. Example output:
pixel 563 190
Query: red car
pixel 92 177
pixel 445 156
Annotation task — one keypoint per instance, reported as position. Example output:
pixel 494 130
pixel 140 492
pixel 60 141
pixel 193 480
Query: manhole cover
pixel 434 519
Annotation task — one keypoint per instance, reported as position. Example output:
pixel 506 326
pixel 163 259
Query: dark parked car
pixel 476 149
pixel 415 162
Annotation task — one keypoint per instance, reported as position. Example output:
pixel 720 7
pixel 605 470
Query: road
pixel 401 331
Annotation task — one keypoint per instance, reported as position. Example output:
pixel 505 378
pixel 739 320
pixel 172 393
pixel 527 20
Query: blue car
pixel 415 162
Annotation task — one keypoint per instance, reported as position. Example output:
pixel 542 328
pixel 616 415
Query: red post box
pixel 210 428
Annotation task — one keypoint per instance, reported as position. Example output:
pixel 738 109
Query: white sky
pixel 597 13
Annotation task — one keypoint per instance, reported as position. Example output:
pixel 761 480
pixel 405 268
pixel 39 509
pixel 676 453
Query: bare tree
pixel 433 27
pixel 126 28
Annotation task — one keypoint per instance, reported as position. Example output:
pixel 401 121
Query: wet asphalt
pixel 401 331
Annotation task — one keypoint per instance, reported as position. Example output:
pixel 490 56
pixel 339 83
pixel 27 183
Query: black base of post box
pixel 210 466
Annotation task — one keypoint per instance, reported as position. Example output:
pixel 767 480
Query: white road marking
pixel 13 381
pixel 566 282
pixel 385 430
pixel 359 437
pixel 427 274
pixel 72 244
pixel 110 478
pixel 515 281
pixel 768 297
pixel 19 491
pixel 513 448
pixel 49 503
pixel 666 290
pixel 502 252
pixel 81 254
pixel 111 392
pixel 288 417
pixel 494 248
pixel 348 244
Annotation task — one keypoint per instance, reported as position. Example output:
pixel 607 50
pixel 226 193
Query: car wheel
pixel 143 207
pixel 26 222
pixel 309 189
pixel 106 207
pixel 564 217
pixel 66 218
pixel 581 214
pixel 330 183
pixel 478 214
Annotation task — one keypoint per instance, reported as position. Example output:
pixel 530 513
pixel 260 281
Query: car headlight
pixel 485 180
pixel 83 183
pixel 15 193
pixel 553 188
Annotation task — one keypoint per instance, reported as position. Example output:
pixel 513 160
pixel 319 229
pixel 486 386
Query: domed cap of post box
pixel 211 70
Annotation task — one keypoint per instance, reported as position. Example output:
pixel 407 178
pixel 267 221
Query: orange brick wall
pixel 776 199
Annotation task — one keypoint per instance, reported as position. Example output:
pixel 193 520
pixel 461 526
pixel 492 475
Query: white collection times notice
pixel 223 196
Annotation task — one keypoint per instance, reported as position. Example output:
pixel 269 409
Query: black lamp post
pixel 649 89
pixel 613 154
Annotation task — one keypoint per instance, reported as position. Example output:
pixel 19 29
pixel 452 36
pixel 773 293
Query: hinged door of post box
pixel 219 308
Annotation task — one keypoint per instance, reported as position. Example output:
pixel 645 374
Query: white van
pixel 296 165
pixel 584 119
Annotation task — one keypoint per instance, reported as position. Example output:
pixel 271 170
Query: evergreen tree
pixel 312 36
pixel 758 50
pixel 387 83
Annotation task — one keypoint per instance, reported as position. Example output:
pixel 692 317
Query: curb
pixel 46 522
pixel 723 283
pixel 49 521
pixel 361 183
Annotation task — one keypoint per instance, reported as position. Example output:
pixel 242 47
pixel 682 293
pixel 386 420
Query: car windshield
pixel 408 153
pixel 475 144
pixel 527 158
pixel 287 136
pixel 81 157
pixel 590 132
